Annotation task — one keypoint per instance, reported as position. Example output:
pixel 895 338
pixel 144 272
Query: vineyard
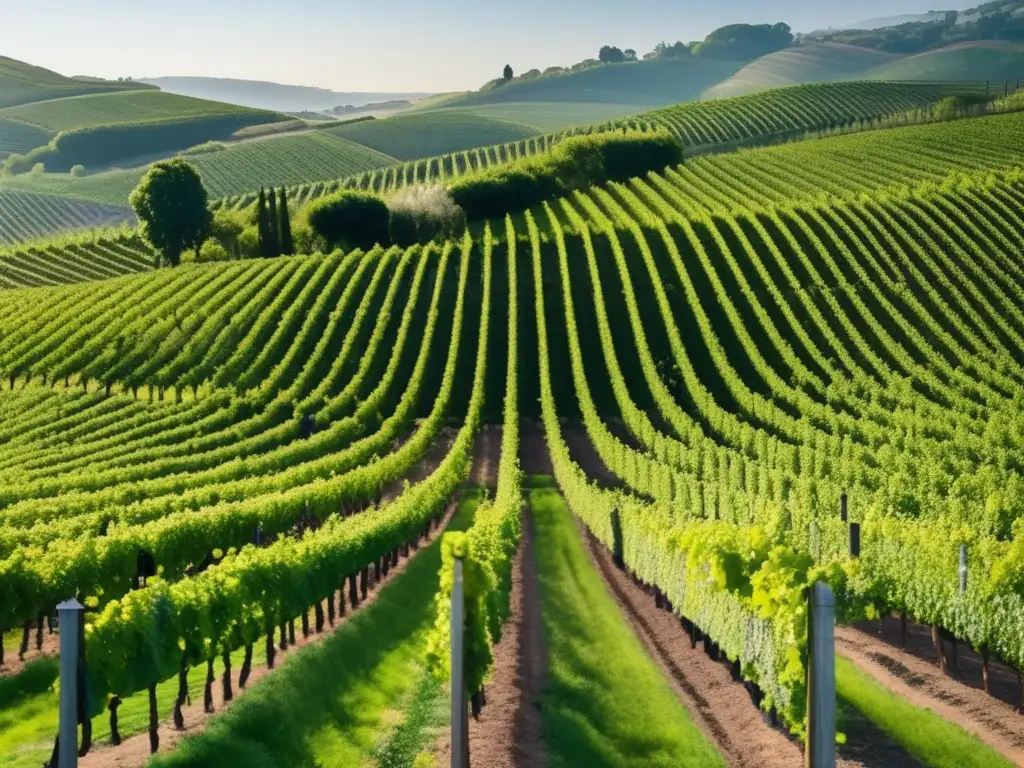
pixel 743 375
pixel 700 126
pixel 410 137
pixel 26 216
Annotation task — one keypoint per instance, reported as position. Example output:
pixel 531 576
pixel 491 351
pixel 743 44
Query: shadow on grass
pixel 325 706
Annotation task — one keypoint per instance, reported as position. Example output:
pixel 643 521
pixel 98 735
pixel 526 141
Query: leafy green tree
pixel 171 204
pixel 275 243
pixel 630 54
pixel 609 54
pixel 507 74
pixel 285 230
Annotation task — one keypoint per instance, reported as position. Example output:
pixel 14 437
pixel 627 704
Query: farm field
pixel 409 137
pixel 568 396
pixel 26 216
pixel 706 361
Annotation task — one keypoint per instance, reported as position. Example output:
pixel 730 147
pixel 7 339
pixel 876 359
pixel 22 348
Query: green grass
pixel 988 60
pixel 118 108
pixel 817 63
pixel 28 718
pixel 934 741
pixel 425 134
pixel 22 83
pixel 336 703
pixel 605 702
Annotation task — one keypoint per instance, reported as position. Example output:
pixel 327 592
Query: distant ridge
pixel 266 95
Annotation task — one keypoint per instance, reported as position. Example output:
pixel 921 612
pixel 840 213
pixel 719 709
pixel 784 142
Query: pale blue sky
pixel 382 45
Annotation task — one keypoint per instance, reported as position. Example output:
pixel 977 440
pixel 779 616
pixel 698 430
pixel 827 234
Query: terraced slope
pixel 74 260
pixel 409 137
pixel 138 106
pixel 27 216
pixel 816 63
pixel 984 60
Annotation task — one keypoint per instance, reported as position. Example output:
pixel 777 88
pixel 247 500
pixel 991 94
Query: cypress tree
pixel 263 224
pixel 275 242
pixel 285 230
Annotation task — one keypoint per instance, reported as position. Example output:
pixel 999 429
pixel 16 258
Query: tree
pixel 630 54
pixel 263 223
pixel 171 204
pixel 274 245
pixel 507 74
pixel 285 230
pixel 609 54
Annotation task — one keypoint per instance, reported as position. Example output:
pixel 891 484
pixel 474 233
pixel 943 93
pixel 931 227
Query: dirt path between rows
pixel 508 732
pixel 487 456
pixel 719 705
pixel 923 684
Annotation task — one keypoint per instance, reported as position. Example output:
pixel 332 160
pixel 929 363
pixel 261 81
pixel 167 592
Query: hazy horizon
pixel 413 47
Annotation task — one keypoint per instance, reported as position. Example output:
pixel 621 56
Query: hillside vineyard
pixel 746 340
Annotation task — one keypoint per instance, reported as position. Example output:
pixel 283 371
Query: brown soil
pixel 534 458
pixel 922 683
pixel 507 734
pixel 582 451
pixel 424 468
pixel 12 665
pixel 720 706
pixel 134 751
pixel 486 456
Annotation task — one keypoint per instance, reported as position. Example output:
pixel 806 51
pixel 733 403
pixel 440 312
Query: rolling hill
pixel 22 83
pixel 820 62
pixel 982 60
pixel 273 96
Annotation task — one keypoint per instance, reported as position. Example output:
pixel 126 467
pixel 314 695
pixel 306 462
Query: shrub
pixel 421 213
pixel 249 242
pixel 574 163
pixel 350 219
pixel 78 171
pixel 39 169
pixel 305 239
pixel 226 227
pixel 212 250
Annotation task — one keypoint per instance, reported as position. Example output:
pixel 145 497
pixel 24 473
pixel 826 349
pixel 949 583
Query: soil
pixel 486 456
pixel 914 676
pixel 12 665
pixel 424 468
pixel 134 750
pixel 719 705
pixel 507 733
pixel 534 458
